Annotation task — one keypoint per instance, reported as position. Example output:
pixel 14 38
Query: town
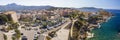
pixel 50 24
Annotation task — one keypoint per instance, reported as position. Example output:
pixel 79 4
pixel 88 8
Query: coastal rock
pixel 90 35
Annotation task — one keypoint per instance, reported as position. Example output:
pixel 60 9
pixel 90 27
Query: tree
pixel 4 18
pixel 73 15
pixel 44 25
pixel 13 38
pixel 13 26
pixel 78 24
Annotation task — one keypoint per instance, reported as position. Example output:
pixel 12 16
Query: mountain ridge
pixel 14 6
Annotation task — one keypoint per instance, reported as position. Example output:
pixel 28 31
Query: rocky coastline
pixel 91 35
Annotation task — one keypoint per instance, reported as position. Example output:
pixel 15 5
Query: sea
pixel 109 30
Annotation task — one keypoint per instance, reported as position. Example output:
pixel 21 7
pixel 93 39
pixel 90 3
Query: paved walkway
pixel 1 36
pixel 62 34
pixel 9 34
pixel 29 34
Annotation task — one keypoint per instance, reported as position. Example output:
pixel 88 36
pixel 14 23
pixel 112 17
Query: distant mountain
pixel 89 9
pixel 14 6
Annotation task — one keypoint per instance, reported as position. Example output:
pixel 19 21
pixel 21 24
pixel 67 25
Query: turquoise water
pixel 109 30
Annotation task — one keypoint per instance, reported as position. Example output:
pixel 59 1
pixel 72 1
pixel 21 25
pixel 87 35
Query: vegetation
pixel 43 17
pixel 25 19
pixel 52 34
pixel 104 13
pixel 3 18
pixel 18 34
pixel 5 37
pixel 74 15
pixel 44 25
pixel 52 8
pixel 13 38
pixel 81 26
pixel 48 38
pixel 13 26
pixel 79 29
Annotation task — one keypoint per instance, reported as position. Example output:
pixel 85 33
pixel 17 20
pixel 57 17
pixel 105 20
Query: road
pixel 62 34
pixel 60 27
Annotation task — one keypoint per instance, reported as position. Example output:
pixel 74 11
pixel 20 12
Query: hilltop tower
pixel 11 16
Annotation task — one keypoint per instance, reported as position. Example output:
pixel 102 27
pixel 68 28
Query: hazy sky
pixel 108 4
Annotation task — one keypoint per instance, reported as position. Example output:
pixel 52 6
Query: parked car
pixel 24 38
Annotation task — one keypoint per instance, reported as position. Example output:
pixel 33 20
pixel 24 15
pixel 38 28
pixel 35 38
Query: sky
pixel 106 4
